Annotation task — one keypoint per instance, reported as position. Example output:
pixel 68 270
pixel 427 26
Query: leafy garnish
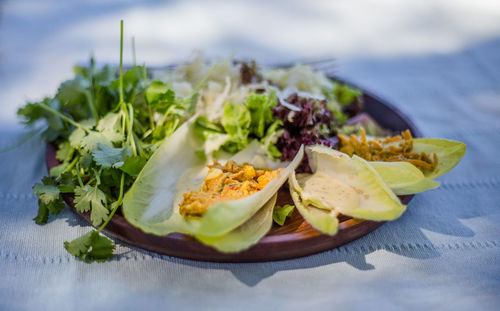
pixel 345 94
pixel 91 247
pixel 133 165
pixel 260 106
pixel 109 156
pixel 236 122
pixel 240 124
pixel 106 123
pixel 91 198
pixel 49 200
pixel 280 213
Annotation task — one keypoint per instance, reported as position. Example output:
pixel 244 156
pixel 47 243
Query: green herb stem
pixel 118 203
pixel 78 174
pixel 71 165
pixel 121 61
pixel 91 105
pixel 62 116
pixel 130 137
pixel 98 176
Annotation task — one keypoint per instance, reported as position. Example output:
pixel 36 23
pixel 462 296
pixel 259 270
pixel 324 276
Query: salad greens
pixel 280 213
pixel 240 124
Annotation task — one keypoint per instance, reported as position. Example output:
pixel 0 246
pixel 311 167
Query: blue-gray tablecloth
pixel 442 254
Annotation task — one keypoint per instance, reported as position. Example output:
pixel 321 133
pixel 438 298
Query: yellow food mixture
pixel 225 183
pixel 390 149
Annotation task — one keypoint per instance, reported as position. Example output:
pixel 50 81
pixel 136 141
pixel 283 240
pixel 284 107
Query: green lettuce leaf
pixel 260 106
pixel 236 121
pixel 280 213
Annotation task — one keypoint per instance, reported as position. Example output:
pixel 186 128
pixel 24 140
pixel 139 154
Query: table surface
pixel 443 253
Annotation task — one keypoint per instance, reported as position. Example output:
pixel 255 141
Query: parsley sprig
pixel 106 123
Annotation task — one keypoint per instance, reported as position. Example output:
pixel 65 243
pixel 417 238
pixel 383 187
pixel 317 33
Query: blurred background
pixel 384 45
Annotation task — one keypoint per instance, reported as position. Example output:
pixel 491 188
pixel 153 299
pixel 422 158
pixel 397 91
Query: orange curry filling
pixel 225 183
pixel 390 149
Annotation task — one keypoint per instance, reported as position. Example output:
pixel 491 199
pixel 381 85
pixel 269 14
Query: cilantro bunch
pixel 105 124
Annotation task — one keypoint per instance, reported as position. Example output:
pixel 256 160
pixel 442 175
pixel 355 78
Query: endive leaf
pixel 373 199
pixel 403 177
pixel 321 220
pixel 245 235
pixel 449 153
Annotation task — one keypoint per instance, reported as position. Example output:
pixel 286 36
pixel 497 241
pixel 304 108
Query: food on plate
pixel 225 183
pixel 408 165
pixel 153 201
pixel 341 185
pixel 204 148
pixel 390 149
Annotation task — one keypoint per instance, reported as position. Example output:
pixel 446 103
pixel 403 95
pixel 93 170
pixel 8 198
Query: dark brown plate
pixel 295 239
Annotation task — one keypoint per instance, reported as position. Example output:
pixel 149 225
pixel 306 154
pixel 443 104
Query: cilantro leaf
pixel 280 213
pixel 110 157
pixel 75 138
pixel 160 96
pixel 49 200
pixel 110 127
pixel 89 197
pixel 56 171
pixel 64 152
pixel 72 91
pixel 91 247
pixel 93 140
pixel 43 214
pixel 47 191
pixel 133 165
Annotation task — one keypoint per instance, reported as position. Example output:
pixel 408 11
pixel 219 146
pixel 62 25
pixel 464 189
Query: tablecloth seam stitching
pixel 403 247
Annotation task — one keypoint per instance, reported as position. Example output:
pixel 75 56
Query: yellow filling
pixel 225 183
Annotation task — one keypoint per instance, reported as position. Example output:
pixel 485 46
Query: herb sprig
pixel 106 123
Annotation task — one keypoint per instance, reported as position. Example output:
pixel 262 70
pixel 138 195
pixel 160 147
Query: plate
pixel 295 239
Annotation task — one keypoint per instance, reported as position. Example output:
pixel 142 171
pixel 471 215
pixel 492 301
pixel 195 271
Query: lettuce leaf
pixel 260 106
pixel 236 121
